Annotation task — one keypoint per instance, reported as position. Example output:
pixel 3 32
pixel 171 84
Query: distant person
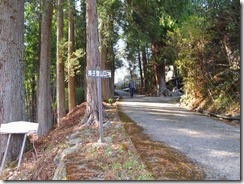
pixel 132 88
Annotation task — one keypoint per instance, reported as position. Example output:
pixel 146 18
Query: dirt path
pixel 212 144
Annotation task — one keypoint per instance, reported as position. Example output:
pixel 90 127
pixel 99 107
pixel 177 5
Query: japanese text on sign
pixel 99 73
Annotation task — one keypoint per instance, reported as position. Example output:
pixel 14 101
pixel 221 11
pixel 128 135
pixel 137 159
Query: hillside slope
pixel 72 152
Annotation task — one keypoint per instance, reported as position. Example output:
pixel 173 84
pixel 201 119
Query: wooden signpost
pixel 98 74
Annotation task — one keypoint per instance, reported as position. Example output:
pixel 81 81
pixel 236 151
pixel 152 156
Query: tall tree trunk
pixel 93 62
pixel 159 66
pixel 145 68
pixel 60 64
pixel 83 8
pixel 11 71
pixel 44 113
pixel 140 68
pixel 106 63
pixel 33 100
pixel 160 76
pixel 71 74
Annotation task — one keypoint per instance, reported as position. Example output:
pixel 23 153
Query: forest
pixel 47 46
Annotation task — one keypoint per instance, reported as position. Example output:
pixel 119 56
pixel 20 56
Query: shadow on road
pixel 212 144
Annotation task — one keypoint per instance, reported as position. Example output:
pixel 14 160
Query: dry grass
pixel 116 161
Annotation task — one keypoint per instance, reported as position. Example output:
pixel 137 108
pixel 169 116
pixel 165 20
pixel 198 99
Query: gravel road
pixel 209 142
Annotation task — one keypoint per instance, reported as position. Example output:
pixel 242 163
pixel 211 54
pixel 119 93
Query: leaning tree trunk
pixel 44 112
pixel 11 71
pixel 93 62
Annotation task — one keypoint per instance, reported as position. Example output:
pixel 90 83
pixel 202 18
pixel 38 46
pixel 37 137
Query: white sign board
pixel 18 127
pixel 95 73
pixel 99 73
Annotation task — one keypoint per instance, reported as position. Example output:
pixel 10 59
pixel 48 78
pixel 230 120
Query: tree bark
pixel 11 71
pixel 71 74
pixel 33 100
pixel 140 68
pixel 159 66
pixel 145 68
pixel 160 75
pixel 106 62
pixel 44 112
pixel 93 62
pixel 60 64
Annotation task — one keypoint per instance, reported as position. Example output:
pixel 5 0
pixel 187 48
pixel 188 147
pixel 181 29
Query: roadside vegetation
pixel 72 152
